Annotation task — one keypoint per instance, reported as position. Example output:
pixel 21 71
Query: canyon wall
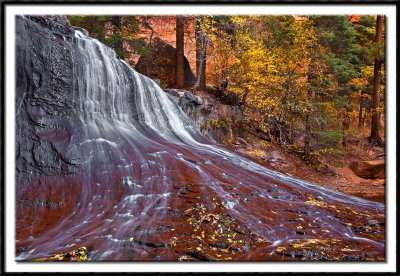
pixel 164 28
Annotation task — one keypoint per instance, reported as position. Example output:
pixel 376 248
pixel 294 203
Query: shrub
pixel 328 139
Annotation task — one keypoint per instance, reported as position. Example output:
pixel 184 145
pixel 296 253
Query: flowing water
pixel 145 184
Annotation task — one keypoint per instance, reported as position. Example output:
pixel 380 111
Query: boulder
pixel 274 156
pixel 325 169
pixel 369 169
pixel 192 99
pixel 213 119
pixel 157 81
pixel 184 98
pixel 160 64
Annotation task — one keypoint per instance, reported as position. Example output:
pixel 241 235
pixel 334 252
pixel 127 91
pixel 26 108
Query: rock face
pixel 45 104
pixel 374 169
pixel 164 27
pixel 160 64
pixel 215 120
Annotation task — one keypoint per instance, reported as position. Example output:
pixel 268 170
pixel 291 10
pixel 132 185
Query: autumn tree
pixel 267 71
pixel 180 66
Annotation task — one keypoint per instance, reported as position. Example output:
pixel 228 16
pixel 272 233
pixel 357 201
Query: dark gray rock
pixel 213 119
pixel 192 99
pixel 43 99
pixel 58 24
pixel 157 81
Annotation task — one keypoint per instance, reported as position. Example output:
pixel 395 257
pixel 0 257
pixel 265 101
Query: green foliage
pixel 121 37
pixel 328 139
pixel 330 151
pixel 93 24
pixel 215 124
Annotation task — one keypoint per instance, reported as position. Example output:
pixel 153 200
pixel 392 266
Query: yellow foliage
pixel 78 255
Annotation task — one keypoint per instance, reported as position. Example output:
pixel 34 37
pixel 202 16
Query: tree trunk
pixel 307 133
pixel 116 21
pixel 345 126
pixel 201 44
pixel 360 111
pixel 117 24
pixel 201 77
pixel 374 137
pixel 180 56
pixel 197 31
pixel 145 23
pixel 311 84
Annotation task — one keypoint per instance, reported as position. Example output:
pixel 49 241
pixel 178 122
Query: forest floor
pixel 336 173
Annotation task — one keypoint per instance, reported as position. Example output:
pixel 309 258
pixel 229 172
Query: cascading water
pixel 133 179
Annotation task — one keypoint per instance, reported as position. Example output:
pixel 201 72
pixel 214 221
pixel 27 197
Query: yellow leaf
pixel 280 249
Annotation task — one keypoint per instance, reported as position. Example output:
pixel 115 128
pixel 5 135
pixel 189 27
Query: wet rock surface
pixel 107 161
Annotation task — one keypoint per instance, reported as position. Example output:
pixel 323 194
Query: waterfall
pixel 140 165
